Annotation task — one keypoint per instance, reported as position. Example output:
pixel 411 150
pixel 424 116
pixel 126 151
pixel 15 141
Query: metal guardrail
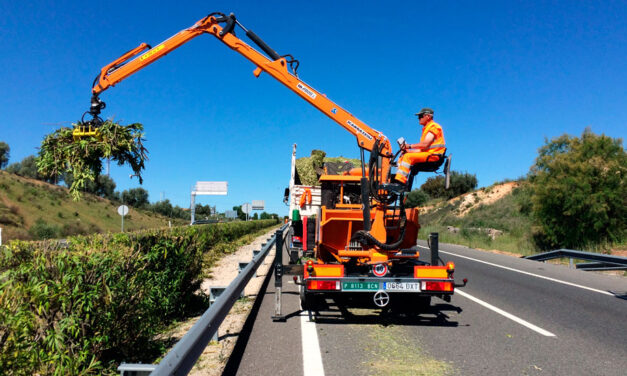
pixel 600 261
pixel 182 357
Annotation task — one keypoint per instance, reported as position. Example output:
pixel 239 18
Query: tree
pixel 265 215
pixel 240 214
pixel 579 190
pixel 255 217
pixel 5 153
pixel 460 183
pixel 28 169
pixel 162 207
pixel 415 198
pixel 103 186
pixel 135 197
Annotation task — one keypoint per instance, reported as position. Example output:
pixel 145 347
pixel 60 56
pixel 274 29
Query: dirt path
pixel 216 354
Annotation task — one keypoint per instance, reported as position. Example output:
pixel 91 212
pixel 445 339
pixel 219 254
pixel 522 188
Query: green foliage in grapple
pixel 84 308
pixel 579 190
pixel 60 154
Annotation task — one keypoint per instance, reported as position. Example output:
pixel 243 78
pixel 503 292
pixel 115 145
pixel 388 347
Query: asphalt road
pixel 515 317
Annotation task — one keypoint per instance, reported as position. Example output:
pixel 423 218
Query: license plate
pixel 368 286
pixel 401 286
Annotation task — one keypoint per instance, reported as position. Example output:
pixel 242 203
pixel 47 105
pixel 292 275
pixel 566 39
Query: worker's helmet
pixel 423 112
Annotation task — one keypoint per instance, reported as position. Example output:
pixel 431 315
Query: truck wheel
pixel 308 302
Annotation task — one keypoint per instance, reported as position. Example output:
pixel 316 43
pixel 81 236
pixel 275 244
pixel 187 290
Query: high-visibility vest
pixel 438 145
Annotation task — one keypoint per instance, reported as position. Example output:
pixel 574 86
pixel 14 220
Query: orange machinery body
pixel 339 220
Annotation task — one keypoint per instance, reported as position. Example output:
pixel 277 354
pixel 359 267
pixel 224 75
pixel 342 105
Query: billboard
pixel 258 205
pixel 210 188
pixel 230 214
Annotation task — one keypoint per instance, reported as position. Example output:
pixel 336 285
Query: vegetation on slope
pixel 31 209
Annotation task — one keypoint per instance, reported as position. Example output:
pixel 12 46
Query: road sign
pixel 210 188
pixel 247 208
pixel 258 205
pixel 122 210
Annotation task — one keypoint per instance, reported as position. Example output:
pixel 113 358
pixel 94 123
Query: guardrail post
pixel 433 243
pixel 278 276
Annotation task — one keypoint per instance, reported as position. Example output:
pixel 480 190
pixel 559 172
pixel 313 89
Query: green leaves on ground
pixel 60 154
pixel 580 193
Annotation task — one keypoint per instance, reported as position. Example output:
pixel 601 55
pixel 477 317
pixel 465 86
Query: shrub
pixel 80 309
pixel 579 188
pixel 415 198
pixel 41 230
pixel 460 183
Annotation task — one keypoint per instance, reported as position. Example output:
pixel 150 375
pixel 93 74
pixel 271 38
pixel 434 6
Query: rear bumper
pixel 407 285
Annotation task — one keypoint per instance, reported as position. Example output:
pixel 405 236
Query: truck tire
pixel 308 301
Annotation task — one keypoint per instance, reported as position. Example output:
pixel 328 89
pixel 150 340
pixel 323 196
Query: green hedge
pixel 78 310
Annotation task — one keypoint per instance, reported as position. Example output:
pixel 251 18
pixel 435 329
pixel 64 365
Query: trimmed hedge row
pixel 75 310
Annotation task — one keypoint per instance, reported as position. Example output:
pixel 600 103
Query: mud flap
pixel 447 170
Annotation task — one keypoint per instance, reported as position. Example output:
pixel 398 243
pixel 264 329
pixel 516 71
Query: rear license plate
pixel 368 286
pixel 401 286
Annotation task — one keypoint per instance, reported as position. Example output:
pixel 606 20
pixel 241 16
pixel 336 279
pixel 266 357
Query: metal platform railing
pixel 182 357
pixel 599 261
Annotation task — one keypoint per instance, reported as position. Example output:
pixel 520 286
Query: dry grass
pixel 27 200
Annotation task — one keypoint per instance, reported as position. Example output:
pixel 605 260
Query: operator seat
pixel 432 164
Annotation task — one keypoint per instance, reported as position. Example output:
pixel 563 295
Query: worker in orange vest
pixel 430 149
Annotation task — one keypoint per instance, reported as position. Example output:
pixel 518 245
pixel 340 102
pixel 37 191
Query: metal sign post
pixel 247 208
pixel 122 211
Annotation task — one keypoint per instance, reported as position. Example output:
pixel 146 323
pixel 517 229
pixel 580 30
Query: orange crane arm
pixel 277 67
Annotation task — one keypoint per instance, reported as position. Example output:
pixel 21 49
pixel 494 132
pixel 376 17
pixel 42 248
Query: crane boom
pixel 276 66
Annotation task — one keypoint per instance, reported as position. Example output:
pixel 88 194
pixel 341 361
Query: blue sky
pixel 501 77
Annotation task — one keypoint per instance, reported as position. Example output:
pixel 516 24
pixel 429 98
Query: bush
pixel 41 230
pixel 81 309
pixel 460 183
pixel 415 198
pixel 580 193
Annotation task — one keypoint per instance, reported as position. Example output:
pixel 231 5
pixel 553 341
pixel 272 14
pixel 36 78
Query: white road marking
pixel 506 314
pixel 312 359
pixel 527 273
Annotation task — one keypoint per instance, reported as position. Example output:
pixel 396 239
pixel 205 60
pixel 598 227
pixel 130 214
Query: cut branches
pixel 61 154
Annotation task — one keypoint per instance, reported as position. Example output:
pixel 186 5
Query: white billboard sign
pixel 230 214
pixel 258 205
pixel 211 188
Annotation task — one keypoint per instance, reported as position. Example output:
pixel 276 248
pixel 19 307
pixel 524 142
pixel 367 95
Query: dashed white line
pixel 312 359
pixel 527 273
pixel 506 314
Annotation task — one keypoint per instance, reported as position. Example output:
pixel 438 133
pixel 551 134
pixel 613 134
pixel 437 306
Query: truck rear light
pixel 437 286
pixel 323 284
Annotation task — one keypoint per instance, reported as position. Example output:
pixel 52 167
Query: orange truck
pixel 365 239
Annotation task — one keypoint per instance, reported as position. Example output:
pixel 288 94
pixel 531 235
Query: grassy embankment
pixel 510 214
pixel 25 202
